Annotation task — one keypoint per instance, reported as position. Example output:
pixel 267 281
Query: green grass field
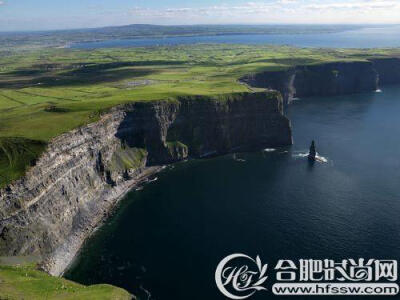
pixel 45 93
pixel 26 282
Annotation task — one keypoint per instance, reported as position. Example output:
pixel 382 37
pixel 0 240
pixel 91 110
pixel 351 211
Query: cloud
pixel 2 2
pixel 350 5
pixel 296 11
pixel 287 1
pixel 249 8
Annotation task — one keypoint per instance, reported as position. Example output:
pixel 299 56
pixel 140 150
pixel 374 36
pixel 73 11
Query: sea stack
pixel 313 153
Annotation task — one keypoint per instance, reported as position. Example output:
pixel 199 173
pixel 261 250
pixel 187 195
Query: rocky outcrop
pixel 312 154
pixel 82 174
pixel 328 79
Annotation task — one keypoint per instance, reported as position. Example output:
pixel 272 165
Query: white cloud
pixel 1 2
pixel 249 8
pixel 287 1
pixel 282 11
pixel 355 5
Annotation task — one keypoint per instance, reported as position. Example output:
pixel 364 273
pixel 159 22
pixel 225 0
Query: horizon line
pixel 200 24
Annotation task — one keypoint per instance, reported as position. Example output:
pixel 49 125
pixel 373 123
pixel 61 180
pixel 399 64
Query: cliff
pixel 81 175
pixel 388 70
pixel 335 79
pixel 328 79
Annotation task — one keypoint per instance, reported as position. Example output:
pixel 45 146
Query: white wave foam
pixel 240 160
pixel 378 91
pixel 269 150
pixel 305 154
pixel 321 159
pixel 318 157
pixel 152 180
pixel 235 158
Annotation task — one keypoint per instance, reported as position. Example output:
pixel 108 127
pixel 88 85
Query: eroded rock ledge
pixel 82 174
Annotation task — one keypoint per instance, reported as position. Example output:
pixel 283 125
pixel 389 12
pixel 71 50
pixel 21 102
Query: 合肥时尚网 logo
pixel 239 276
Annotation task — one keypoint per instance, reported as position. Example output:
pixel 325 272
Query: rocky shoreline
pixel 58 262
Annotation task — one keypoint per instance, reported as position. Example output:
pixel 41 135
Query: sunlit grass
pixel 25 282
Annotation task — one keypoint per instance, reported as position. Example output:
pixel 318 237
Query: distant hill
pixel 63 37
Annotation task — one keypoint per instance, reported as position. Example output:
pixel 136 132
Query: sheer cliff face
pixel 335 79
pixel 388 70
pixel 329 79
pixel 197 126
pixel 81 175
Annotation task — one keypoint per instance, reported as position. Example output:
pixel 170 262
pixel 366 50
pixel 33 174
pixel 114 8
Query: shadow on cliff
pixel 142 128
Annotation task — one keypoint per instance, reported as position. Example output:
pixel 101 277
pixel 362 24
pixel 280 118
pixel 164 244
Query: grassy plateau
pixel 46 92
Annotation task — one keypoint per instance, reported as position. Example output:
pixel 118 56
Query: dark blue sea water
pixel 361 38
pixel 169 237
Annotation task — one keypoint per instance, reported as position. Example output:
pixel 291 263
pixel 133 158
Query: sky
pixel 16 15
